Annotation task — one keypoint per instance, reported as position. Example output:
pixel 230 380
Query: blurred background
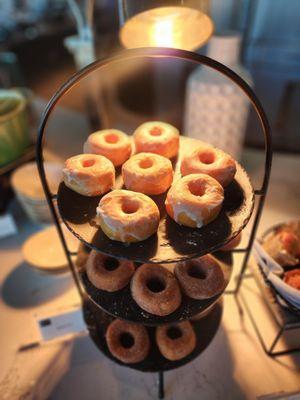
pixel 34 53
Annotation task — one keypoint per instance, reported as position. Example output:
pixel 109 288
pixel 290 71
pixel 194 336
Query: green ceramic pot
pixel 14 128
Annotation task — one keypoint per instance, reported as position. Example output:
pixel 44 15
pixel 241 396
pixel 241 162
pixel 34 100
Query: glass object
pixel 82 45
pixel 14 129
pixel 181 24
pixel 216 109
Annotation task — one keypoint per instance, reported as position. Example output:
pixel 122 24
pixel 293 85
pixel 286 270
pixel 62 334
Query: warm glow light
pixel 178 27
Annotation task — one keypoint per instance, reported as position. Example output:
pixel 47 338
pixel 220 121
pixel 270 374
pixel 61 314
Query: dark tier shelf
pixel 206 328
pixel 121 305
pixel 172 242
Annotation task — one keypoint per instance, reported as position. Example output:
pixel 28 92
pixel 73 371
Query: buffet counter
pixel 73 368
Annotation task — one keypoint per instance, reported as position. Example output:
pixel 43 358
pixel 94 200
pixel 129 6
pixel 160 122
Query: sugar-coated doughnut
pixel 108 273
pixel 111 143
pixel 127 342
pixel 147 173
pixel 194 200
pixel 89 174
pixel 176 341
pixel 233 243
pixel 211 161
pixel 157 137
pixel 127 216
pixel 200 278
pixel 155 289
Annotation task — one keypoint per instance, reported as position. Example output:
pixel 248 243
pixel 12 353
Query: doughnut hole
pixel 156 131
pixel 130 206
pixel 195 272
pixel 111 138
pixel 174 332
pixel 111 264
pixel 126 340
pixel 197 188
pixel 207 157
pixel 88 163
pixel 155 285
pixel 146 163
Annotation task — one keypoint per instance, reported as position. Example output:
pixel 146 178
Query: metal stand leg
pixel 239 306
pixel 161 391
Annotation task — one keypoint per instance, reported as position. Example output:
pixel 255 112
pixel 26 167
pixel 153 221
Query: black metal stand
pixel 284 318
pixel 161 391
pixel 171 54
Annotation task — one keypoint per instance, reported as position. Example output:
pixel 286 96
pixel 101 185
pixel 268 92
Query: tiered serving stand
pixel 171 244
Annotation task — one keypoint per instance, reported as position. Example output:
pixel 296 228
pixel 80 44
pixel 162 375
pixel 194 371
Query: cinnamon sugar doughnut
pixel 127 216
pixel 111 143
pixel 176 341
pixel 155 290
pixel 200 278
pixel 89 174
pixel 147 173
pixel 194 200
pixel 157 137
pixel 127 342
pixel 211 161
pixel 108 273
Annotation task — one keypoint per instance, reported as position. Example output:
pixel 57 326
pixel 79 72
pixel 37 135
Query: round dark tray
pixel 172 242
pixel 206 328
pixel 121 305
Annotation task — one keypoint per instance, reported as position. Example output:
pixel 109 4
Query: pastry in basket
pixel 155 289
pixel 108 273
pixel 208 160
pixel 292 278
pixel 176 341
pixel 111 143
pixel 283 246
pixel 194 200
pixel 200 278
pixel 157 137
pixel 127 342
pixel 127 216
pixel 89 174
pixel 147 173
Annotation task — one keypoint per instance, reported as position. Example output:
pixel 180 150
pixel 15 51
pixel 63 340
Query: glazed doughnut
pixel 155 289
pixel 108 273
pixel 233 243
pixel 157 137
pixel 194 200
pixel 292 278
pixel 127 216
pixel 111 143
pixel 127 342
pixel 89 174
pixel 211 161
pixel 147 173
pixel 176 341
pixel 200 278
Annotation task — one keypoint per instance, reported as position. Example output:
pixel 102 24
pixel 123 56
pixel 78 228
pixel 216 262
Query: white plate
pixel 44 250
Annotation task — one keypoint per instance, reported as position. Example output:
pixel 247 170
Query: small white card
pixel 7 226
pixel 68 323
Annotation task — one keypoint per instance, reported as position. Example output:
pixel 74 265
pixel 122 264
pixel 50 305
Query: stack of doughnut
pixel 130 343
pixel 158 291
pixel 130 215
pixel 153 287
